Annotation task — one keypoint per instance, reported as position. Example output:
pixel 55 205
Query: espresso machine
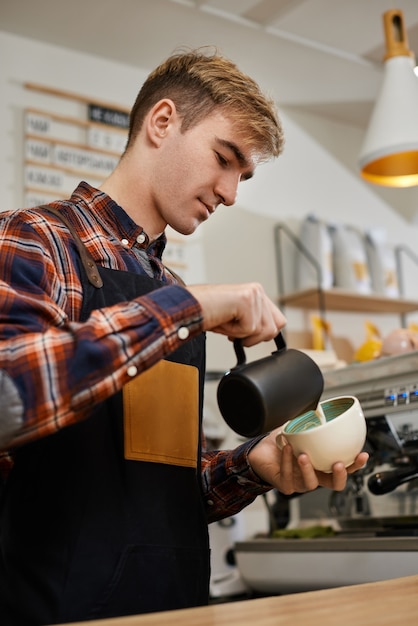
pixel 373 523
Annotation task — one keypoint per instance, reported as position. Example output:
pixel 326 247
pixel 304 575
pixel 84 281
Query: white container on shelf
pixel 316 239
pixel 351 269
pixel 382 263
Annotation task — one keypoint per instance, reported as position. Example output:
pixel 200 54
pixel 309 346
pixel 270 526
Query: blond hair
pixel 200 82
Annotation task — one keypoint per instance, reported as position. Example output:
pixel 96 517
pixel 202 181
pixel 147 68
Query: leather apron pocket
pixel 161 422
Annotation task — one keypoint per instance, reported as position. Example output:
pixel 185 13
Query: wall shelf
pixel 340 300
pixel 337 299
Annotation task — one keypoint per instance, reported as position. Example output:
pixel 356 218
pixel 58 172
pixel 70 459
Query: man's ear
pixel 159 120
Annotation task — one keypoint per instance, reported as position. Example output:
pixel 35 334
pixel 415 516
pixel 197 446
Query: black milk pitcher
pixel 257 397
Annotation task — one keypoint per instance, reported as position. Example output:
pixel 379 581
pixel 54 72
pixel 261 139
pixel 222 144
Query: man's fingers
pixel 239 311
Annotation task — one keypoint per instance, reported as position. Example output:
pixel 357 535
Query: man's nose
pixel 227 190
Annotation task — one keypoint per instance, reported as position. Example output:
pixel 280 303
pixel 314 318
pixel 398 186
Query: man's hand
pixel 239 311
pixel 288 474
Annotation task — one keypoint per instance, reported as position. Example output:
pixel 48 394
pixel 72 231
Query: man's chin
pixel 189 229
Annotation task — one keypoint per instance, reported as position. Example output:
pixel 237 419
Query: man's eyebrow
pixel 242 160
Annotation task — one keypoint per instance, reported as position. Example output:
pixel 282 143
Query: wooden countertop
pixel 390 602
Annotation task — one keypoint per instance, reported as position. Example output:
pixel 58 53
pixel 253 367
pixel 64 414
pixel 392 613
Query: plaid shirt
pixel 61 367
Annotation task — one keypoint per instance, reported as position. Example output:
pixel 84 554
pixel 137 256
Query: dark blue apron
pixel 89 531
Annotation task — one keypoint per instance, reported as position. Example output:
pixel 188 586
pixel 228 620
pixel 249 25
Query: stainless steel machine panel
pixel 279 566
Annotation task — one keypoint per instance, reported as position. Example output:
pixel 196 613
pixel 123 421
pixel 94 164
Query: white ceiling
pixel 324 56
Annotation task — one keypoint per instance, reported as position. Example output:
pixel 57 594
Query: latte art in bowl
pixel 338 436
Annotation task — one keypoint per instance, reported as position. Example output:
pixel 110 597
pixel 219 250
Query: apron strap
pixel 86 258
pixel 176 276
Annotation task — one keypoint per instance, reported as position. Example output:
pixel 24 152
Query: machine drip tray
pixel 396 526
pixel 397 532
pixel 279 566
pixel 341 542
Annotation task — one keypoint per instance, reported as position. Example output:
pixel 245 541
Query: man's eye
pixel 222 160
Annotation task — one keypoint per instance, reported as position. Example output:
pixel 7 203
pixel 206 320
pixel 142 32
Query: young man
pixel 109 490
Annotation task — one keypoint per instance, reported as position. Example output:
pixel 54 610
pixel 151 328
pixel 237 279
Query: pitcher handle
pixel 240 353
pixel 280 342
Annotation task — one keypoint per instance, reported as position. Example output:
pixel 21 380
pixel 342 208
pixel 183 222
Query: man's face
pixel 198 170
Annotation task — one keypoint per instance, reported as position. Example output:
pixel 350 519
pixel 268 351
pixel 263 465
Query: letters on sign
pixel 105 115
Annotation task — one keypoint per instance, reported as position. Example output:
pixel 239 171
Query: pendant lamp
pixel 389 155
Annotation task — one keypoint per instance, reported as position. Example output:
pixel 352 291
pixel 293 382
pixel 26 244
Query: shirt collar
pixel 116 221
